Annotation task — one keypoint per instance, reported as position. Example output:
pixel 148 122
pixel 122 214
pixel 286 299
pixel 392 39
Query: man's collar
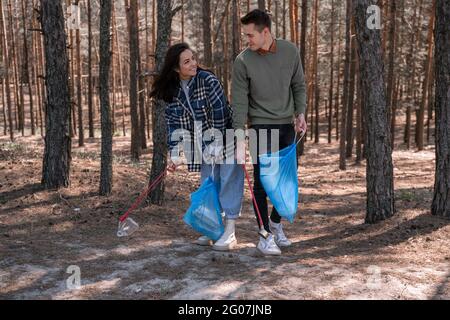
pixel 272 49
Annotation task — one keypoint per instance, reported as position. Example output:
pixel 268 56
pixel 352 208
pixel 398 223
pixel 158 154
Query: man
pixel 268 91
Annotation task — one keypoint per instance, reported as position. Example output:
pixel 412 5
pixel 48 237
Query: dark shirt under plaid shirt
pixel 210 106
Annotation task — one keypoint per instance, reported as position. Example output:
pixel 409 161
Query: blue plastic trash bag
pixel 278 174
pixel 204 213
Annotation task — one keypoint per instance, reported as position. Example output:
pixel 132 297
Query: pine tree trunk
pixel 421 113
pixel 57 154
pixel 292 20
pixel 182 20
pixel 304 27
pixel 72 116
pixel 408 128
pixel 41 82
pixel 6 80
pixel 5 124
pixel 90 93
pixel 27 69
pixel 113 91
pixel 316 72
pixel 148 62
pixel 296 19
pixel 79 96
pixel 351 98
pixel 394 113
pixel 119 66
pixel 20 109
pixel 359 137
pixel 342 164
pixel 106 172
pixel 284 19
pixel 415 43
pixel 392 50
pixel 276 20
pixel 226 72
pixel 379 173
pixel 337 96
pixel 36 69
pixel 159 160
pixel 235 29
pixel 207 45
pixel 134 74
pixel 262 5
pixel 330 93
pixel 430 100
pixel 141 88
pixel 441 199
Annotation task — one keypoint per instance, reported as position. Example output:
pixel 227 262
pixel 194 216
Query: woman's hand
pixel 173 163
pixel 241 152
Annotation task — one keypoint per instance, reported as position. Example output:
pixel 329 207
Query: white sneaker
pixel 228 240
pixel 280 238
pixel 268 246
pixel 203 241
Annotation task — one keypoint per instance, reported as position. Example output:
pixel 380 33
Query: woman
pixel 196 107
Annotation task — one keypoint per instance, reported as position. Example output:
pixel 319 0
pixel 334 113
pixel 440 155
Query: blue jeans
pixel 229 179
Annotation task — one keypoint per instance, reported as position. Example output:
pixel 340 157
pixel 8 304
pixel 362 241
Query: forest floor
pixel 334 255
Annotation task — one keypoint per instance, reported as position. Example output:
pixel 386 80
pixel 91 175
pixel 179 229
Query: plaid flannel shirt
pixel 210 107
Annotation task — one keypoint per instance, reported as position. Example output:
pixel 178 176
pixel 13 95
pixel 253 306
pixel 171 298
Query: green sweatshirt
pixel 269 88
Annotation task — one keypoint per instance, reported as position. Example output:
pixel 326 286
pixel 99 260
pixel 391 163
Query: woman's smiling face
pixel 188 65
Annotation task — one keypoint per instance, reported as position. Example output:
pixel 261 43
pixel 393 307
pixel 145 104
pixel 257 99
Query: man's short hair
pixel 259 18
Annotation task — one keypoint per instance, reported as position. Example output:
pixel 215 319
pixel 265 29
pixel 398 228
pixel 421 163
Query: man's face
pixel 255 39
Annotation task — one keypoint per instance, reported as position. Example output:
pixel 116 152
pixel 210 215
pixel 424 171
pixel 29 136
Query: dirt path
pixel 334 255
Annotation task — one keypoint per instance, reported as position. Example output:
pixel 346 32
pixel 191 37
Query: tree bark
pixel 106 171
pixel 284 19
pixel 79 96
pixel 235 28
pixel 392 49
pixel 207 45
pixel 159 160
pixel 342 163
pixel 134 74
pixel 5 124
pixel 27 69
pixel 379 173
pixel 351 98
pixel 6 80
pixel 262 5
pixel 292 20
pixel 304 27
pixel 441 198
pixel 119 66
pixel 337 96
pixel 330 93
pixel 90 93
pixel 359 136
pixel 316 72
pixel 226 73
pixel 421 113
pixel 57 153
pixel 19 96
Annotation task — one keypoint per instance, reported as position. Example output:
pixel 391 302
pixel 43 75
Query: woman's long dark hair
pixel 167 81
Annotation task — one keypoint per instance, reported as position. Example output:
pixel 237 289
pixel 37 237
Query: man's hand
pixel 300 123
